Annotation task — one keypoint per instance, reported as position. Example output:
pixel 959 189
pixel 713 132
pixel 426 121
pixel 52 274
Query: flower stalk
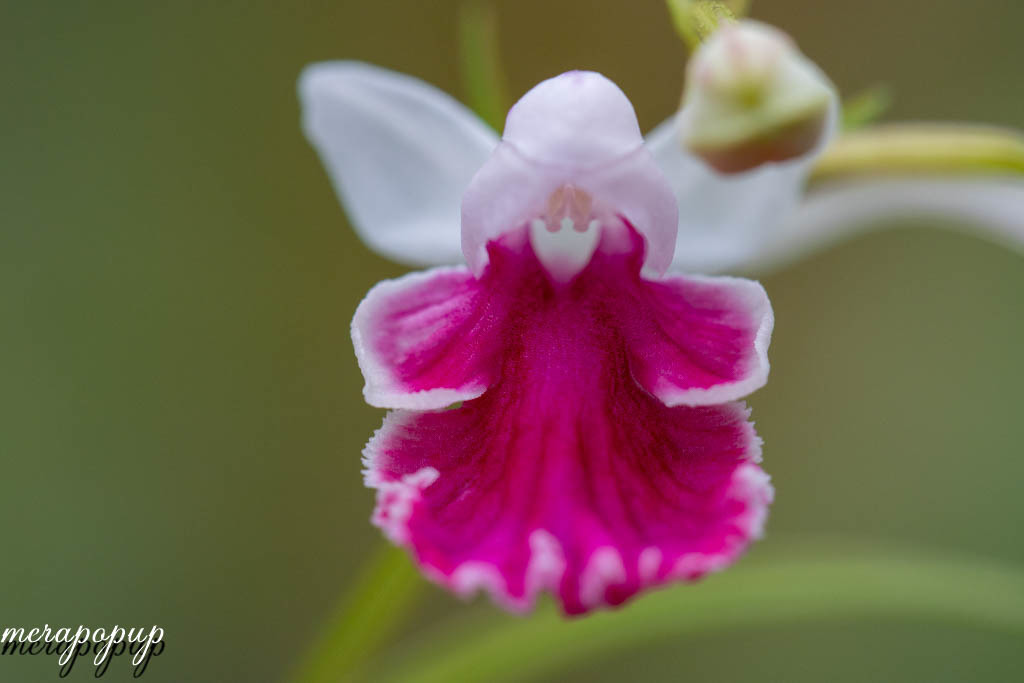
pixel 365 618
pixel 483 79
pixel 695 20
pixel 923 148
pixel 865 108
pixel 808 582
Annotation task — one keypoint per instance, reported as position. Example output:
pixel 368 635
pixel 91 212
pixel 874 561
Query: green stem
pixel 369 612
pixel 810 584
pixel 482 76
pixel 387 589
pixel 695 20
pixel 923 148
pixel 865 107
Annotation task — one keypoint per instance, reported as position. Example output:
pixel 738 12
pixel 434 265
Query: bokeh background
pixel 180 408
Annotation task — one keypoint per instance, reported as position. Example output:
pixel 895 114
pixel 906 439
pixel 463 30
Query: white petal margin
pixel 382 389
pixel 756 305
pixel 726 220
pixel 399 153
pixel 991 208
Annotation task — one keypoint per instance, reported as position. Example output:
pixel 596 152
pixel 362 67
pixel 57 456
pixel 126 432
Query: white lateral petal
pixel 991 207
pixel 399 152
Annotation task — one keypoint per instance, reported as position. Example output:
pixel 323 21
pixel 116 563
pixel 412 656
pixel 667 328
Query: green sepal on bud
pixel 752 98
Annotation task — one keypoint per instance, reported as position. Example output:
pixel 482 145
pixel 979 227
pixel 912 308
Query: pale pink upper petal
pixel 576 130
pixel 579 118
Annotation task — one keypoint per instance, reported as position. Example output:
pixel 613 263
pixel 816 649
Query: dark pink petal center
pixel 571 472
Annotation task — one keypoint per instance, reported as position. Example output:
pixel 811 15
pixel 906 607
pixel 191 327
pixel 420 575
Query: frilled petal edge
pixel 593 516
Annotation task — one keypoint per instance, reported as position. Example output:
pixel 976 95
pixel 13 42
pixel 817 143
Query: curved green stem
pixel 483 78
pixel 814 583
pixel 386 591
pixel 865 107
pixel 923 148
pixel 366 616
pixel 695 20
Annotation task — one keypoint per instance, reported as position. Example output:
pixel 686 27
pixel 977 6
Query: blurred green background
pixel 180 408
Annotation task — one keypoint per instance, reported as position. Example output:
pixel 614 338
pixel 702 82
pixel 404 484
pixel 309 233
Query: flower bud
pixel 752 98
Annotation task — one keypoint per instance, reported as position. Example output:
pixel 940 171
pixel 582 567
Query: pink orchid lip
pixel 575 130
pixel 595 453
pixel 579 118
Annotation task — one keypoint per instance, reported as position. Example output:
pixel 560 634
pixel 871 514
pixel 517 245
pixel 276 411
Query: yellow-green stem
pixel 865 107
pixel 804 583
pixel 695 20
pixel 365 617
pixel 923 148
pixel 483 78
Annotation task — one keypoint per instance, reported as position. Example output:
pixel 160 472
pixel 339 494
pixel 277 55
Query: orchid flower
pixel 598 449
pixel 564 400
